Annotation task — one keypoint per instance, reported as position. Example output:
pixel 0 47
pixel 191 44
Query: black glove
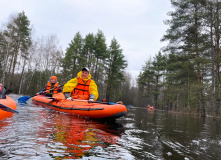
pixel 67 94
pixel 92 97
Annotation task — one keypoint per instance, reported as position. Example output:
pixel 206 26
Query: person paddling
pixel 2 91
pixel 51 88
pixel 81 87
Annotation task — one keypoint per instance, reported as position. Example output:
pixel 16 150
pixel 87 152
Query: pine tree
pixel 100 56
pixel 159 67
pixel 187 39
pixel 115 70
pixel 72 57
pixel 18 36
pixel 89 52
pixel 213 29
pixel 146 85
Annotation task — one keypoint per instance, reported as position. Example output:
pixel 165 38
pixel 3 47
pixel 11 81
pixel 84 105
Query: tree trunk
pixel 21 77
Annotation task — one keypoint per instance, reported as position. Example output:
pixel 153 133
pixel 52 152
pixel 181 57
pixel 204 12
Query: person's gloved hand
pixel 92 97
pixel 67 94
pixel 69 98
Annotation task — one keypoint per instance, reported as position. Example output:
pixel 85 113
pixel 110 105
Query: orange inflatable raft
pixel 150 108
pixel 7 107
pixel 81 107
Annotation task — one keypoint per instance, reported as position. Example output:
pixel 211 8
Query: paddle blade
pixel 23 99
pixel 5 108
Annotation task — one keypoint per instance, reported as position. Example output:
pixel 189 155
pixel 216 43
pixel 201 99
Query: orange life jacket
pixel 82 87
pixel 55 87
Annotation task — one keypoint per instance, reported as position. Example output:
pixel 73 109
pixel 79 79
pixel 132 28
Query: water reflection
pixel 162 135
pixel 42 134
pixel 188 137
pixel 68 136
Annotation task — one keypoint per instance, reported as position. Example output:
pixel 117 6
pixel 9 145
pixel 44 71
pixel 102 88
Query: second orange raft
pixel 82 107
pixel 10 103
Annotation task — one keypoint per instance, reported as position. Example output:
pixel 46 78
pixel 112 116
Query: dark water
pixel 42 134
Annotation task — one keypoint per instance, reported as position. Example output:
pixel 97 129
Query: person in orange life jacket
pixel 51 87
pixel 81 87
pixel 2 91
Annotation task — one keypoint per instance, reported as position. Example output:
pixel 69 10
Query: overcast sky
pixel 136 24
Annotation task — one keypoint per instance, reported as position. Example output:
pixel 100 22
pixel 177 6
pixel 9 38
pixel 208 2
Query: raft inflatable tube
pixel 8 102
pixel 96 110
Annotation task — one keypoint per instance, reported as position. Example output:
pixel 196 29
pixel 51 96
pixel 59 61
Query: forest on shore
pixel 184 76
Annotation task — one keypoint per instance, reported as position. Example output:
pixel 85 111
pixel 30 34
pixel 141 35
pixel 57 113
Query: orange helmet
pixel 53 77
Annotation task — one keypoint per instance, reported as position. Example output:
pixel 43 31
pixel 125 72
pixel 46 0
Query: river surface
pixel 39 133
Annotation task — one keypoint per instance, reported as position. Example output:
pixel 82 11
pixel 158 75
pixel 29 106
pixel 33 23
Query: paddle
pixel 24 99
pixel 109 103
pixel 8 109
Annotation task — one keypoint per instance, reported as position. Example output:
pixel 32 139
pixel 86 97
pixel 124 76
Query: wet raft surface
pixel 41 133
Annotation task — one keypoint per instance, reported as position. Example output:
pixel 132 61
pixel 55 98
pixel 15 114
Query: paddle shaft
pixel 54 88
pixel 8 109
pixel 85 101
pixel 91 101
pixel 24 99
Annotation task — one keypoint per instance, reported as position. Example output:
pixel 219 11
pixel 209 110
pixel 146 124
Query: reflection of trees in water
pixel 78 134
pixel 2 125
pixel 187 136
pixel 2 153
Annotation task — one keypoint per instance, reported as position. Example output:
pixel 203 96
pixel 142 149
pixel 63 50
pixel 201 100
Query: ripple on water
pixel 111 152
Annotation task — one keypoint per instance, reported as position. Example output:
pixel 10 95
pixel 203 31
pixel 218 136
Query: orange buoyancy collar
pixel 82 87
pixel 55 87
